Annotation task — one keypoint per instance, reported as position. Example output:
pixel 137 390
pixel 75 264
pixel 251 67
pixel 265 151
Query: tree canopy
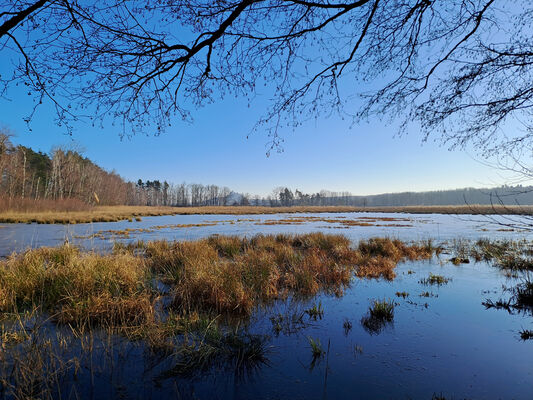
pixel 459 69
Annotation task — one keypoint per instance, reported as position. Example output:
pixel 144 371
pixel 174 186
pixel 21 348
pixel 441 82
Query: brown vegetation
pixel 28 205
pixel 222 274
pixel 76 287
pixel 55 214
pixel 379 256
pixel 177 297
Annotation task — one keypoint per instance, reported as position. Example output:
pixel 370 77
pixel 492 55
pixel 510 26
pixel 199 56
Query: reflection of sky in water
pixel 421 226
pixel 452 347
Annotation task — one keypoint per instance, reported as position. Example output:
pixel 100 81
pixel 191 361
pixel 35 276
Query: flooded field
pixel 453 319
pixel 356 226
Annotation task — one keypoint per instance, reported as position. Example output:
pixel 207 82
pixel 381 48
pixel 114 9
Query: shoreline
pixel 125 213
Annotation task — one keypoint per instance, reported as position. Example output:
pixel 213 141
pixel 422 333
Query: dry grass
pixel 175 297
pixel 221 274
pixel 231 274
pixel 96 214
pixel 342 221
pixel 169 293
pixel 57 213
pixel 75 287
pixel 379 256
pixel 20 205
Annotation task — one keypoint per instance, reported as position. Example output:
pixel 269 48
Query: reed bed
pixel 220 274
pixel 54 212
pixel 176 298
pixel 76 287
pixel 28 205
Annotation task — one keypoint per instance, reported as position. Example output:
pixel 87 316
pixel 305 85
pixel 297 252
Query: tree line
pixel 66 174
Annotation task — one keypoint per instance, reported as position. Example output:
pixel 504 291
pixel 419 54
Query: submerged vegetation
pixel 515 259
pixel 382 309
pixel 526 334
pixel 509 255
pixel 315 312
pixel 316 347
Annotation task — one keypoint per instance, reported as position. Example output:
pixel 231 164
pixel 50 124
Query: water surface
pixel 101 235
pixel 446 344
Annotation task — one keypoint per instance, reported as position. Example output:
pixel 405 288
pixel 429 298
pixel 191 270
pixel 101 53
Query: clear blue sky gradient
pixel 323 154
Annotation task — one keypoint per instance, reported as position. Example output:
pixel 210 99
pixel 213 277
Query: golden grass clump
pixel 107 311
pixel 377 267
pixel 244 272
pixel 379 256
pixel 232 274
pixel 227 246
pixel 74 286
pixel 221 274
pixel 172 260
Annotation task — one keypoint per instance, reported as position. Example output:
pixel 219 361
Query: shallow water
pixel 447 344
pixel 16 237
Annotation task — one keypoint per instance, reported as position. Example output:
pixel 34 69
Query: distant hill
pixel 508 195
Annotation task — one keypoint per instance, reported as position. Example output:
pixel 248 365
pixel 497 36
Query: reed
pixel 315 312
pixel 76 287
pixel 379 256
pixel 184 301
pixel 316 347
pixel 382 309
pixel 217 274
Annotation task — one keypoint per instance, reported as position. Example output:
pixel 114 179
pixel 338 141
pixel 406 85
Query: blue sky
pixel 323 154
pixel 214 149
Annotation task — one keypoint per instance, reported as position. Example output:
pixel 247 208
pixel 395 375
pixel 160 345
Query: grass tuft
pixel 380 314
pixel 316 347
pixel 315 312
pixel 434 280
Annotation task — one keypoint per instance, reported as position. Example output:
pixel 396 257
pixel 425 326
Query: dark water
pixel 447 344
